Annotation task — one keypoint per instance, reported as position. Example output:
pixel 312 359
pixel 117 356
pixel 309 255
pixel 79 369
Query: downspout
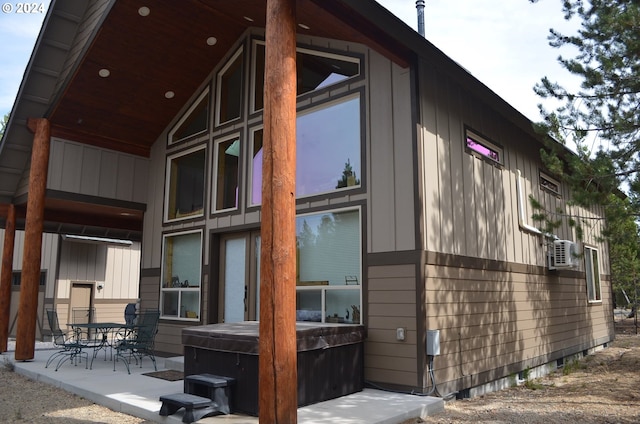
pixel 522 220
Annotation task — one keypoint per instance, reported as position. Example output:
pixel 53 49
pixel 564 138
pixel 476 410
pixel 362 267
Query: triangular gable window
pixel 195 120
pixel 316 70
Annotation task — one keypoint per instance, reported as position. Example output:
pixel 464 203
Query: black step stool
pixel 215 387
pixel 195 407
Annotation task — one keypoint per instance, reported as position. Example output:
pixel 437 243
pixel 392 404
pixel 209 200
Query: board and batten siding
pixel 48 263
pixel 116 267
pixel 471 205
pixel 487 285
pixel 390 157
pixel 91 171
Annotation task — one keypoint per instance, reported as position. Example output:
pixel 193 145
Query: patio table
pixel 104 335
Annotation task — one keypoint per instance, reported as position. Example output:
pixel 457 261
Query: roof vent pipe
pixel 420 7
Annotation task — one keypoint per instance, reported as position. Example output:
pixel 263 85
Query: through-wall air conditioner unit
pixel 564 254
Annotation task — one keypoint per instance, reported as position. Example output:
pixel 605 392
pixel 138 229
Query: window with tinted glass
pixel 315 70
pixel 226 173
pixel 184 197
pixel 181 275
pixel 194 121
pixel 328 150
pixel 229 85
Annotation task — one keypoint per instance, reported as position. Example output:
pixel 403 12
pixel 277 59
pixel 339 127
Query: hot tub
pixel 330 359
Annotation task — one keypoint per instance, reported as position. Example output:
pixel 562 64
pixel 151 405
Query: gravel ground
pixel 602 388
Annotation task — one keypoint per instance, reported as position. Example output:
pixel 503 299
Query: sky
pixel 503 43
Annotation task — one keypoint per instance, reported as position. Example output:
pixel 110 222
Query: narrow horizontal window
pixel 478 145
pixel 549 184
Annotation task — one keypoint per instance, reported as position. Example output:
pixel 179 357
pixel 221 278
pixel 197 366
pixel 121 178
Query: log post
pixel 5 276
pixel 278 391
pixel 30 280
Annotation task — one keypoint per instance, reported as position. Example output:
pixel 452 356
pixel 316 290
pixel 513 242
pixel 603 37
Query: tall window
pixel 328 267
pixel 184 197
pixel 592 270
pixel 328 150
pixel 226 173
pixel 181 275
pixel 230 89
pixel 195 121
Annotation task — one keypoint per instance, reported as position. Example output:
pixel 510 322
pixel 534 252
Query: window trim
pixel 353 57
pixel 325 288
pixel 547 182
pixel 167 183
pixel 165 236
pixel 302 111
pixel 186 115
pixel 593 273
pixel 484 142
pixel 214 172
pixel 219 75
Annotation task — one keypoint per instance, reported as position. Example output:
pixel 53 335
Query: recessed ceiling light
pixel 169 94
pixel 144 11
pixel 104 72
pixel 212 41
pixel 248 18
pixel 303 26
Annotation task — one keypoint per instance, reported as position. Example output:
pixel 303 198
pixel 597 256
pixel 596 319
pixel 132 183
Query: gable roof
pixel 149 54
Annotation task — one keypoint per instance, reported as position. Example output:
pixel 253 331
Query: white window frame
pixel 547 183
pixel 167 183
pixel 338 100
pixel 219 77
pixel 308 51
pixel 180 290
pixel 184 117
pixel 592 274
pixel 482 141
pixel 214 173
pixel 324 289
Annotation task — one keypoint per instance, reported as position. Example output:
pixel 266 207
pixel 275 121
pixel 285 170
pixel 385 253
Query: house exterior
pixel 78 273
pixel 413 180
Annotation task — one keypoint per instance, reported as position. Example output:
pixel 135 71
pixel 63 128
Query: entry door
pixel 81 295
pixel 239 277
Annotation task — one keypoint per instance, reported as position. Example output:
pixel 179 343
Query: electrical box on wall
pixel 433 342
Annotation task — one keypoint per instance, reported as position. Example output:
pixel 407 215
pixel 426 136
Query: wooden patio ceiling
pixel 149 48
pixel 167 51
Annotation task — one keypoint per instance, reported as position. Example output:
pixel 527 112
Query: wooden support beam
pixel 5 276
pixel 30 280
pixel 278 391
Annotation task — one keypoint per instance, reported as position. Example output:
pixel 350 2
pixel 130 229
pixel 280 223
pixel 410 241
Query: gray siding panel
pixel 79 168
pixel 391 164
pixel 471 205
pixel 380 167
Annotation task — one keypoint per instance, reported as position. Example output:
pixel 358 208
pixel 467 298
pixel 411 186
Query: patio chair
pixel 83 316
pixel 69 348
pixel 130 313
pixel 140 342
